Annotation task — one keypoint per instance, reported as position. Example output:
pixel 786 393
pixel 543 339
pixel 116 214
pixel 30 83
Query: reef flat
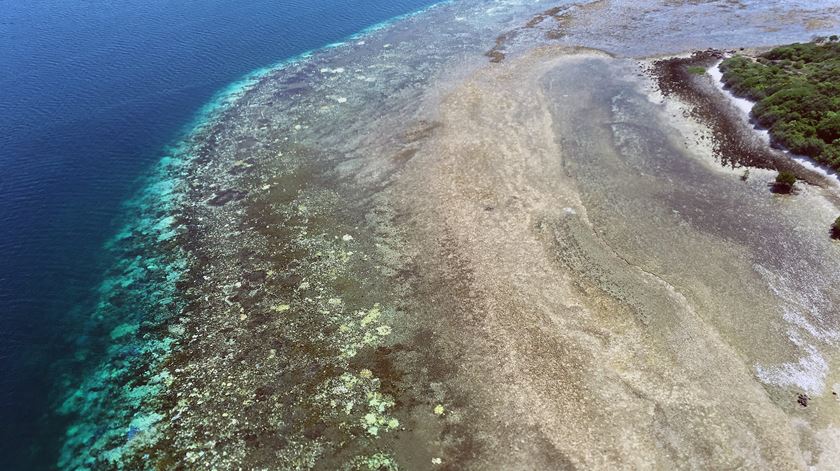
pixel 479 237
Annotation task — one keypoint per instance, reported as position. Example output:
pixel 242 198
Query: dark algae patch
pixel 797 93
pixel 677 76
pixel 552 23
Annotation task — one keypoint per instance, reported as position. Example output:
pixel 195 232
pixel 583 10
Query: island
pixel 797 93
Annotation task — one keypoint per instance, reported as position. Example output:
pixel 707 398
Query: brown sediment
pixel 735 144
pixel 559 30
pixel 561 20
pixel 550 13
pixel 535 21
pixel 812 20
pixel 495 54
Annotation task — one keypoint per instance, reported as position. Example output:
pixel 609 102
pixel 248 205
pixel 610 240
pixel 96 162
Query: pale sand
pixel 603 328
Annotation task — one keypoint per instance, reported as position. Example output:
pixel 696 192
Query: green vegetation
pixel 697 70
pixel 797 90
pixel 784 182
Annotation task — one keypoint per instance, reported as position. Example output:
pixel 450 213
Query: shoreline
pixel 746 105
pixel 737 142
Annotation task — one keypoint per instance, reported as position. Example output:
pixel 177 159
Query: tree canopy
pixel 797 93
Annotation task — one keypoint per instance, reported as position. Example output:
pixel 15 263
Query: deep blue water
pixel 90 93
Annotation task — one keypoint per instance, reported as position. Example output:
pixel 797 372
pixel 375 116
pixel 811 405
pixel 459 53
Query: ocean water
pixel 91 95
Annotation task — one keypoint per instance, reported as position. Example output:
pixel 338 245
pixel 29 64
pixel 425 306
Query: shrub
pixel 828 128
pixel 797 93
pixel 835 228
pixel 784 182
pixel 786 178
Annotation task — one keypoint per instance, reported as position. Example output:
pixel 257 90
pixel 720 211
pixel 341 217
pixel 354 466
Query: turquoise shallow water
pixel 90 95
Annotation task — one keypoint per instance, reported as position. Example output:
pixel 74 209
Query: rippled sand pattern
pixel 403 252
